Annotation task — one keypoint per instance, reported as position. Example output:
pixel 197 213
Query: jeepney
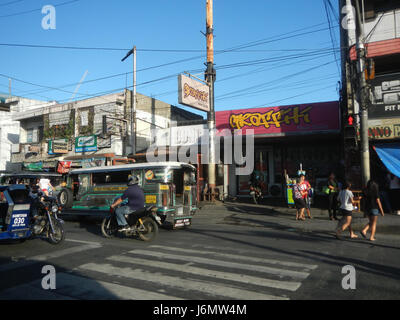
pixel 170 186
pixel 29 178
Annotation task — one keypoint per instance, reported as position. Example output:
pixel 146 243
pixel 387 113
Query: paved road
pixel 214 259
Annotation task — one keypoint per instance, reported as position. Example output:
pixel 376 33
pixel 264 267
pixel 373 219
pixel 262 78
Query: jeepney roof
pixel 29 174
pixel 146 165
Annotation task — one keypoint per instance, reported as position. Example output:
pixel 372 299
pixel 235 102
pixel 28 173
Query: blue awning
pixel 390 156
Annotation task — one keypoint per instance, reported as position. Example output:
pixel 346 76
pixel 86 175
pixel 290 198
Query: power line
pixel 11 2
pixel 39 9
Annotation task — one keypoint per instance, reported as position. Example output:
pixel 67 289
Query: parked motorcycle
pixel 256 193
pixel 46 222
pixel 143 224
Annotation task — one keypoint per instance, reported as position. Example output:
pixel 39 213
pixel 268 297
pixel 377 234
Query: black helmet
pixel 133 180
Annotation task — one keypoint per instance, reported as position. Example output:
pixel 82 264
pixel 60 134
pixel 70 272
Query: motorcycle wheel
pixel 109 227
pixel 59 235
pixel 151 229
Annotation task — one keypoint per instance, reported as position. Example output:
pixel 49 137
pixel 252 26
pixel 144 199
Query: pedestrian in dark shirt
pixel 333 186
pixel 373 208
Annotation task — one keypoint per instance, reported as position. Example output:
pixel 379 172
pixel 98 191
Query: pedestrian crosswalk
pixel 161 272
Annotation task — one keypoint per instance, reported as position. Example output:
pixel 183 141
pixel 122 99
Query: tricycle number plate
pixel 19 220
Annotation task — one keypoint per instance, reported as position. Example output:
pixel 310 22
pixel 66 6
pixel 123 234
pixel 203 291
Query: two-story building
pixel 10 129
pixel 90 132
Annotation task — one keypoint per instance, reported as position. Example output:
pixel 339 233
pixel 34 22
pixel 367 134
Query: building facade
pixel 91 132
pixel 381 22
pixel 10 129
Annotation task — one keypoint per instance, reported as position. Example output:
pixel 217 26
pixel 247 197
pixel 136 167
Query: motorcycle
pixel 143 224
pixel 47 223
pixel 256 193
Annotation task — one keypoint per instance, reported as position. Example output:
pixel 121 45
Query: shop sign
pixel 281 121
pixel 193 93
pixel 59 146
pixel 86 144
pixel 384 129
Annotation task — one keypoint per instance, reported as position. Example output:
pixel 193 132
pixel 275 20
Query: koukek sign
pixel 281 121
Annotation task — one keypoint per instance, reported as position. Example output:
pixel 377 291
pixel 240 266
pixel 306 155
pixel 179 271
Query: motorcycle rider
pixel 135 196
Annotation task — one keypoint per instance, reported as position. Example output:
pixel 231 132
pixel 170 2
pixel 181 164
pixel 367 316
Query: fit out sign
pixel 193 93
pixel 86 144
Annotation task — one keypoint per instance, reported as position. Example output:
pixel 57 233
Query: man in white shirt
pixel 45 186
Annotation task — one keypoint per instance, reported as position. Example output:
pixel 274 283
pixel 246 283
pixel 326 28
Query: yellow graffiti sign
pixel 272 118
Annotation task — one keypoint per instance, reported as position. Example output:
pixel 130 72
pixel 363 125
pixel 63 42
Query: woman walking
pixel 298 197
pixel 333 186
pixel 373 207
pixel 346 199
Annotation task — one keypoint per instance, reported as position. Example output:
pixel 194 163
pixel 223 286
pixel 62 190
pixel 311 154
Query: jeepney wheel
pixel 109 227
pixel 59 235
pixel 151 230
pixel 66 198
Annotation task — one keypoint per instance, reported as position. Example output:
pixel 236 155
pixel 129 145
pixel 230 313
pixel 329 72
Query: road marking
pixel 227 264
pixel 46 257
pixel 176 282
pixel 76 287
pixel 85 242
pixel 240 257
pixel 285 285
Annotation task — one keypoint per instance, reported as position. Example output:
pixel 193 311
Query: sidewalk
pixel 283 218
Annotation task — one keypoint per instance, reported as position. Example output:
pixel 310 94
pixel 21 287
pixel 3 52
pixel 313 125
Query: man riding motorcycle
pixel 135 196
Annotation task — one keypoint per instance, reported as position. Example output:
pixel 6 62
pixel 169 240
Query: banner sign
pixel 93 162
pixel 38 166
pixel 64 166
pixel 281 121
pixel 86 144
pixel 386 97
pixel 193 93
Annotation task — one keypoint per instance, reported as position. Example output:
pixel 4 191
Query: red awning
pixel 378 49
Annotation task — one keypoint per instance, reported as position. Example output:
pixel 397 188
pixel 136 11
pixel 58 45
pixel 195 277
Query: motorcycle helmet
pixel 132 180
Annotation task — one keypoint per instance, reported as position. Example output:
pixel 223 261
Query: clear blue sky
pixel 176 25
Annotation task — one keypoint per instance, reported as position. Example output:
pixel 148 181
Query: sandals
pixel 363 235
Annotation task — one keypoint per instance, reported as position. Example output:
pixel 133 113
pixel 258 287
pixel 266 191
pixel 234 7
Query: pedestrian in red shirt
pixel 306 188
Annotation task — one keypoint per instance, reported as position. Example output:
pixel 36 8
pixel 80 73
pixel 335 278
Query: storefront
pixel 286 138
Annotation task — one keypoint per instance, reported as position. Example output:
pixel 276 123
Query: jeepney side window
pixel 115 177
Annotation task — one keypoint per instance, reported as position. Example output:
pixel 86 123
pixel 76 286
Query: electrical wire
pixel 39 9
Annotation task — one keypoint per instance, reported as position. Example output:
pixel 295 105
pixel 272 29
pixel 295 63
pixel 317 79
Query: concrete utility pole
pixel 133 101
pixel 210 78
pixel 363 99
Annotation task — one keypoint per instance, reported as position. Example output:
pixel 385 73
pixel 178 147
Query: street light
pixel 133 100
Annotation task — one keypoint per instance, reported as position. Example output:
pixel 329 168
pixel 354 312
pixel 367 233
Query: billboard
pixel 385 97
pixel 281 121
pixel 193 93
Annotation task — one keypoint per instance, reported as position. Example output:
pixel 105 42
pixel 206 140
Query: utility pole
pixel 133 101
pixel 210 78
pixel 363 98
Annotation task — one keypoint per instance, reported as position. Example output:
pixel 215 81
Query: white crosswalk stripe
pixel 167 273
pixel 179 283
pixel 224 263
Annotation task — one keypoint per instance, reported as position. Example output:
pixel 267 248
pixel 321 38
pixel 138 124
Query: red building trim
pixel 379 48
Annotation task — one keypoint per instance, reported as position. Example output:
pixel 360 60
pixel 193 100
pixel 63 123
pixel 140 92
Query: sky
pixel 280 52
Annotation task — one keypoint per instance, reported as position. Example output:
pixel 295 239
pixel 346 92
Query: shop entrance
pixel 263 168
